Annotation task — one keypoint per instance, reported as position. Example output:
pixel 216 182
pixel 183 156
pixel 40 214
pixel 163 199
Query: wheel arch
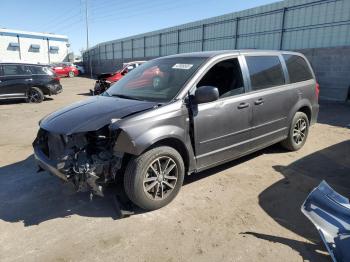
pixel 137 146
pixel 175 143
pixel 43 89
pixel 307 111
pixel 302 106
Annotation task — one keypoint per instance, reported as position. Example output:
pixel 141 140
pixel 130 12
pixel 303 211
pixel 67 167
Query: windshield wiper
pixel 126 97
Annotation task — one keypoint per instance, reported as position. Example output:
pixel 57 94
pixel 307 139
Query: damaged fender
pixel 140 132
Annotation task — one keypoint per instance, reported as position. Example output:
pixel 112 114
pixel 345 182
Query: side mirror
pixel 205 94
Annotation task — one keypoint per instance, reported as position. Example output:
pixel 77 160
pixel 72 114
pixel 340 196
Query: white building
pixel 31 47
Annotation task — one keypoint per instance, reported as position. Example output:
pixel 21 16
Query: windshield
pixel 158 80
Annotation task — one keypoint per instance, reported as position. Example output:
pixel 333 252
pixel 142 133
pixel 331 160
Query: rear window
pixel 265 71
pixel 298 69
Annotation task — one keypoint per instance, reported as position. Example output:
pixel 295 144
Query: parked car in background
pixel 203 109
pixel 65 69
pixel 105 80
pixel 28 81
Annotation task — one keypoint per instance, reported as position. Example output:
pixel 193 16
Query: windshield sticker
pixel 182 66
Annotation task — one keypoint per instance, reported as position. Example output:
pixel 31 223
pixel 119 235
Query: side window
pixel 298 69
pixel 10 70
pixel 226 76
pixel 36 70
pixel 265 71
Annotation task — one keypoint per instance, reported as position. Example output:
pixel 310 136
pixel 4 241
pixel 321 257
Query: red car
pixel 127 67
pixel 151 77
pixel 65 69
pixel 106 79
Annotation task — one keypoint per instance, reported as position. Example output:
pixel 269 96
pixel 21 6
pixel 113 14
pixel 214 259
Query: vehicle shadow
pixel 19 101
pixel 282 201
pixel 84 94
pixel 275 149
pixel 306 250
pixel 32 197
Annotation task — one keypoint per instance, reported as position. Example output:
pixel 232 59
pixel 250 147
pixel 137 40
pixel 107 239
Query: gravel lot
pixel 246 210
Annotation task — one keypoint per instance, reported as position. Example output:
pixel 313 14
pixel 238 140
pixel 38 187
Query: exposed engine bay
pixel 86 159
pixel 101 86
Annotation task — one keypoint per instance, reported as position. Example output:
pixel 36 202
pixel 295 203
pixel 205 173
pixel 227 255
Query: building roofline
pixel 29 34
pixel 209 54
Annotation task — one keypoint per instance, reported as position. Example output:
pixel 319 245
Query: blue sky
pixel 110 19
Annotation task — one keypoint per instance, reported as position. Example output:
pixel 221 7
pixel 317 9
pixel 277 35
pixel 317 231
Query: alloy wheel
pixel 33 96
pixel 160 178
pixel 299 131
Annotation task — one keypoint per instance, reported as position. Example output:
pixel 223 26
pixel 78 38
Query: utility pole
pixel 87 34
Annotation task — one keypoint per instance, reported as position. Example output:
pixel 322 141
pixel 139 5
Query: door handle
pixel 259 101
pixel 243 105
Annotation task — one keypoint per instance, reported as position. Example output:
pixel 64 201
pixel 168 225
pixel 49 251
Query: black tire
pixel 296 139
pixel 139 170
pixel 35 95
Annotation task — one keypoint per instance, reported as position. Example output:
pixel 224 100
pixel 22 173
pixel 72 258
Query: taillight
pixel 56 78
pixel 317 90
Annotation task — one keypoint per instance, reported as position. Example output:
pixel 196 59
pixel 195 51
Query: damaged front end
pixel 85 159
pixel 100 86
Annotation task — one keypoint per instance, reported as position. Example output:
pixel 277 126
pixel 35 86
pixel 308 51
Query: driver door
pixel 222 127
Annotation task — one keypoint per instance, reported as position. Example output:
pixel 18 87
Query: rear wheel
pixel 153 179
pixel 35 95
pixel 298 132
pixel 71 74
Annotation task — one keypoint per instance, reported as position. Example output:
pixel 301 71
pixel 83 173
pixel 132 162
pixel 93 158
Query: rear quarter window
pixel 265 71
pixel 298 69
pixel 38 70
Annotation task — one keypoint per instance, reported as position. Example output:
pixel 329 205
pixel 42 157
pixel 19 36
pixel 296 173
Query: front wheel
pixel 153 179
pixel 71 74
pixel 298 132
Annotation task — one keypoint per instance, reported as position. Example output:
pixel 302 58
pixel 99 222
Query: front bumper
pixel 45 163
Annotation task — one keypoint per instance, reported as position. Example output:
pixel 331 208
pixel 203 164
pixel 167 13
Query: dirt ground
pixel 246 210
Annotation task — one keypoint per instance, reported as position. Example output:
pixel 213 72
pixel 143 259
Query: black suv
pixel 29 81
pixel 180 115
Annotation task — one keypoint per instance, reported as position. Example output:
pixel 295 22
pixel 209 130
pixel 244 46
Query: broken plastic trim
pixel 87 159
pixel 330 213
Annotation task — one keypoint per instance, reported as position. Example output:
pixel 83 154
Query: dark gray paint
pixel 211 133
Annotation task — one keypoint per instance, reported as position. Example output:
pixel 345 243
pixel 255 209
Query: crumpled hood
pixel 91 114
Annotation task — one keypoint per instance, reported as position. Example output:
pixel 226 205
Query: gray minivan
pixel 179 115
